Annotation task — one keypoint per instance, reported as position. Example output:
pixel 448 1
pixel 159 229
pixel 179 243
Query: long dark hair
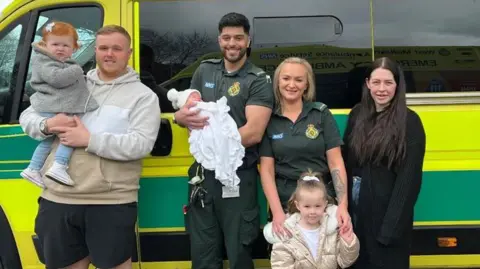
pixel 376 136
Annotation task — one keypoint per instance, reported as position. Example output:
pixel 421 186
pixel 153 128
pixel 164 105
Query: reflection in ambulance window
pixel 327 29
pixel 435 41
pixel 334 50
pixel 10 43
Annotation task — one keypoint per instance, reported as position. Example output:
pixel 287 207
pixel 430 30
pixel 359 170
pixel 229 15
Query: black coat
pixel 386 201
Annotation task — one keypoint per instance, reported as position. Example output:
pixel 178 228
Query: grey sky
pixel 397 23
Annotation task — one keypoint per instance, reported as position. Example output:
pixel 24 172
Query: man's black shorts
pixel 69 233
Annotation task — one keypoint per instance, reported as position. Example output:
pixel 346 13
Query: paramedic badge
pixel 230 191
pixel 234 89
pixel 311 132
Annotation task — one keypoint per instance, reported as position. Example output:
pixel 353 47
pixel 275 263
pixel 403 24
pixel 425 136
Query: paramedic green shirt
pixel 249 85
pixel 297 147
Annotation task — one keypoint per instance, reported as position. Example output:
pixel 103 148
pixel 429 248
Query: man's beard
pixel 236 59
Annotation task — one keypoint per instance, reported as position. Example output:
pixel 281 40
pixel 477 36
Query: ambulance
pixel 435 41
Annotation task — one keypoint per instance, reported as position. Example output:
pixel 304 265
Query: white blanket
pixel 218 146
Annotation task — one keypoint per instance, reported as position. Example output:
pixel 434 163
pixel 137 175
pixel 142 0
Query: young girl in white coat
pixel 314 240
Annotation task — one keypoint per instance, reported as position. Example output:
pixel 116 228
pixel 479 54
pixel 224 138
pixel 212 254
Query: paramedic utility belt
pixel 211 220
pixel 198 192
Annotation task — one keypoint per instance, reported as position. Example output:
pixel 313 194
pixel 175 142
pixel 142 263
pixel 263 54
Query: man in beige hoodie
pixel 94 221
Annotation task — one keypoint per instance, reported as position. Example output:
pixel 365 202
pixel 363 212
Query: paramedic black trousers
pixel 230 221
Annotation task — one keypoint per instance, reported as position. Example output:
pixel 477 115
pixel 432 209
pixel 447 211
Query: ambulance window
pixel 85 55
pixel 437 42
pixel 337 43
pixel 10 40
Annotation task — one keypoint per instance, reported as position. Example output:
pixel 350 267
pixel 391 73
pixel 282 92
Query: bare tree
pixel 85 36
pixel 176 48
pixel 8 50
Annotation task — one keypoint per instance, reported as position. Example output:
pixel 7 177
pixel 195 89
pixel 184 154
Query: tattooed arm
pixel 339 178
pixel 333 142
pixel 339 175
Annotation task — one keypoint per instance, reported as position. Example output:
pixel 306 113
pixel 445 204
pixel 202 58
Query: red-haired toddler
pixel 60 87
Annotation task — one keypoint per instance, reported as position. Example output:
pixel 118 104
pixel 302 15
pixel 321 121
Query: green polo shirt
pixel 301 145
pixel 249 85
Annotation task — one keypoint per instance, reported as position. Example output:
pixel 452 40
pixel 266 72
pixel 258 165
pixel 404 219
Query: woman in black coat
pixel 384 151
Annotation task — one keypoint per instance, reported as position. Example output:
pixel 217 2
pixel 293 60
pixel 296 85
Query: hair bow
pixel 308 178
pixel 49 26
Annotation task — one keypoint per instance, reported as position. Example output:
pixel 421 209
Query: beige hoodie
pixel 333 251
pixel 122 130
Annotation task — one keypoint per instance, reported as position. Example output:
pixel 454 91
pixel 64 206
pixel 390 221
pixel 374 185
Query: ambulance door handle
pixel 163 144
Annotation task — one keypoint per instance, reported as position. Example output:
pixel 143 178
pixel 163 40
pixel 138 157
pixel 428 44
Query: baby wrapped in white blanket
pixel 218 146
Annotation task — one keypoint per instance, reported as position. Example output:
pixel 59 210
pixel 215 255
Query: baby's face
pixel 60 46
pixel 194 97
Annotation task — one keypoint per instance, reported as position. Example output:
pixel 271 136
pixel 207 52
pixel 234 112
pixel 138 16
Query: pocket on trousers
pixel 250 226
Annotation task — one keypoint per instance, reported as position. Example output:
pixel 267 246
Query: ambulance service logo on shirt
pixel 234 89
pixel 311 131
